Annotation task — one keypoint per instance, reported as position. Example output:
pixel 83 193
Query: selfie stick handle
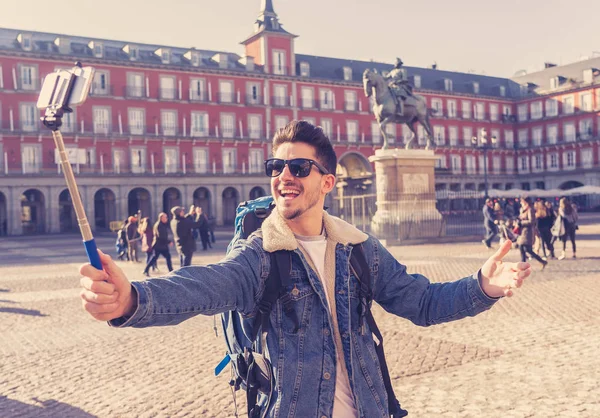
pixel 84 226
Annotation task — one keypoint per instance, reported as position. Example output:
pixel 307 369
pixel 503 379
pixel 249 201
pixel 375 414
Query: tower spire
pixel 266 8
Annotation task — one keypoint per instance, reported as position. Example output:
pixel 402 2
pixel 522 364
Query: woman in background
pixel 147 233
pixel 528 226
pixel 545 220
pixel 569 219
pixel 161 242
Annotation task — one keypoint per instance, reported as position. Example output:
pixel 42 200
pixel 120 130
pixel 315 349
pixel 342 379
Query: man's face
pixel 294 196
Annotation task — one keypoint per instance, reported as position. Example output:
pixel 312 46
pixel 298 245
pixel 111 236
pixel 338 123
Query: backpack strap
pixel 362 270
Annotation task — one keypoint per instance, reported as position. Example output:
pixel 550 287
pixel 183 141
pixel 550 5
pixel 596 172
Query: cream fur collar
pixel 278 236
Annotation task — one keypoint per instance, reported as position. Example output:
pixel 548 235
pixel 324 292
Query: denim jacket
pixel 304 356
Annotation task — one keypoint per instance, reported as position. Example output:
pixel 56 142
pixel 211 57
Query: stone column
pixel 406 202
pixel 52 212
pixel 13 207
pixel 219 204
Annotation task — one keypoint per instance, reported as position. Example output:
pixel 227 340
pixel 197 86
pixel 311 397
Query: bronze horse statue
pixel 385 109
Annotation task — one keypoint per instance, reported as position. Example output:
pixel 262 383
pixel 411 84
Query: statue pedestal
pixel 406 202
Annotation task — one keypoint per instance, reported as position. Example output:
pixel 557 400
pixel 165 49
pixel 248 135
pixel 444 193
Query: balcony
pixel 133 92
pixel 280 101
pixel 168 94
pixel 279 70
pixel 99 90
pixel 226 98
pixel 198 96
pixel 254 100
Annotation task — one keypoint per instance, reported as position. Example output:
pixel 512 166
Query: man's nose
pixel 286 174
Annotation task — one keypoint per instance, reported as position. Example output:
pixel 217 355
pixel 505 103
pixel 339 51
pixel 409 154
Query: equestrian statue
pixel 395 102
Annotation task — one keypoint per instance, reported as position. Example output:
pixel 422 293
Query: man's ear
pixel 328 183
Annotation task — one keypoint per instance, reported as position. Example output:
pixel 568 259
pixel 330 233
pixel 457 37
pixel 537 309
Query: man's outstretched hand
pixel 499 278
pixel 106 293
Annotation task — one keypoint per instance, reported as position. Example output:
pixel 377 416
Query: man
pixel 323 364
pixel 134 239
pixel 488 222
pixel 183 234
pixel 203 229
pixel 509 210
pixel 399 86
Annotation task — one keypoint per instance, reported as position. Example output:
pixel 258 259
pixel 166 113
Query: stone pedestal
pixel 406 203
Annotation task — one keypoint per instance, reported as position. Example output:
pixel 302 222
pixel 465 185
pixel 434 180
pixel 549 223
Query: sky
pixel 492 37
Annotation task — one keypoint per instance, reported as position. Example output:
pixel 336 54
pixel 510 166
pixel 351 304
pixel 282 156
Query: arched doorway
pixel 3 216
pixel 66 212
pixel 202 199
pixel 230 202
pixel 139 200
pixel 105 208
pixel 257 192
pixel 33 212
pixel 171 198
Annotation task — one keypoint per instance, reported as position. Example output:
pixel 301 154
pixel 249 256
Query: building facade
pixel 168 126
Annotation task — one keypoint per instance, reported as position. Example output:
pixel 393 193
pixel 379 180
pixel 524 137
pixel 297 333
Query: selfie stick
pixel 55 96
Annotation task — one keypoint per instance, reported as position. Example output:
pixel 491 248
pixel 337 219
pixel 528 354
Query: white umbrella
pixel 582 190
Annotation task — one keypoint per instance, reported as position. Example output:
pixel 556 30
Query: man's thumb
pixel 116 275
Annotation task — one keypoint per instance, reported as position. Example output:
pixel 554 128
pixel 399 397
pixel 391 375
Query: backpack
pixel 251 370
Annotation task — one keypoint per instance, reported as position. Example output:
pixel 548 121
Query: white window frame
pixel 229 159
pixel 479 111
pixel 168 87
pixel 255 126
pixel 326 99
pixel 587 158
pixel 252 88
pixel 308 97
pixel 136 118
pixel 198 89
pixel 537 136
pixel 171 160
pixel 280 95
pixel 226 94
pixel 101 83
pixel 467 135
pixel 522 112
pixel 551 107
pixel 437 106
pixel 138 155
pixel 493 112
pixel 327 126
pixel 227 124
pixel 439 135
pixel 569 133
pixel 552 134
pixel 347 74
pixel 199 125
pixel 448 85
pixel 586 128
pixel 256 158
pixel 281 121
pixel 538 163
pixel 34 151
pixel 523 166
pixel 102 125
pixel 279 62
pixel 586 101
pixel 417 81
pixel 509 138
pixel 523 138
pixel 304 69
pixel 552 162
pixel 352 130
pixel 569 160
pixel 350 100
pixel 135 84
pixel 375 132
pixel 470 164
pixel 455 164
pixel 168 122
pixel 451 108
pixel 28 77
pixel 29 117
pixel 537 110
pixel 453 135
pixel 200 160
pixel 466 109
pixel 568 103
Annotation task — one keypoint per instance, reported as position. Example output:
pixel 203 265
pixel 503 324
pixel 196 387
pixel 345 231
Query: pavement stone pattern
pixel 533 355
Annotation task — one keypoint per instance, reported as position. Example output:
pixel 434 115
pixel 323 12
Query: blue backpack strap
pixel 358 261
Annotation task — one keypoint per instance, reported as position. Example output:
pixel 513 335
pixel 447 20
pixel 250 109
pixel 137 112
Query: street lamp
pixel 482 143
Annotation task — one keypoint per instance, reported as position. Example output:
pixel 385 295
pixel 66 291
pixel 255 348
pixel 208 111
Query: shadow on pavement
pixel 4 290
pixel 21 311
pixel 11 407
pixel 7 301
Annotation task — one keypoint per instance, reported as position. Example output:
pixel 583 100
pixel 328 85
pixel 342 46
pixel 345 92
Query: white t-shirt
pixel 343 402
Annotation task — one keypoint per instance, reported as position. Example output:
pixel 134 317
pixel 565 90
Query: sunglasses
pixel 299 167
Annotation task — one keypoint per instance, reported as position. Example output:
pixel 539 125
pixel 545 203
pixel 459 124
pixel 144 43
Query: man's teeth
pixel 294 192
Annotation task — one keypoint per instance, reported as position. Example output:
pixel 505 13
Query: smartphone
pixel 66 88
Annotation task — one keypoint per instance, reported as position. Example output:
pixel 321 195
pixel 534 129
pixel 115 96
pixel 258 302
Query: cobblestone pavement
pixel 534 355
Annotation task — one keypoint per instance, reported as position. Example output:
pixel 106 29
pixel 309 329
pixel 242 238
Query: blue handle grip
pixel 92 253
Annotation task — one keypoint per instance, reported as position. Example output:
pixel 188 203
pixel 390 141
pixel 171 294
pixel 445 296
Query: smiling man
pixel 331 369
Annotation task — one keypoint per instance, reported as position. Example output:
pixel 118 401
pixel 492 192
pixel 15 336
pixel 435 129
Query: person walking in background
pixel 202 220
pixel 569 218
pixel 147 233
pixel 545 220
pixel 212 222
pixel 133 239
pixel 488 223
pixel 183 234
pixel 122 247
pixel 160 243
pixel 498 213
pixel 528 226
pixel 509 210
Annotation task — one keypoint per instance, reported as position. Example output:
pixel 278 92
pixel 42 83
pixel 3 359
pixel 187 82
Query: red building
pixel 166 125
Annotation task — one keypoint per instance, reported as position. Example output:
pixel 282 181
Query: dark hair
pixel 527 200
pixel 306 132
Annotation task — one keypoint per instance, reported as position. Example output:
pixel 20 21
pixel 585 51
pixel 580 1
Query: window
pixel 470 164
pixel 326 99
pixel 307 97
pixel 436 105
pixel 326 125
pixel 310 120
pixel 439 135
pixel 350 100
pixel 100 86
pixel 453 136
pixel 467 135
pixel 552 162
pixel 171 159
pixel 417 81
pixel 198 89
pixel 510 165
pixel 475 87
pixel 568 105
pixel 587 158
pixel 168 90
pixel 29 117
pixel 201 160
pixel 554 83
pixel 441 162
pixel 254 126
pixel 523 138
pixel 466 109
pixel 585 128
pixel 455 164
pixel 538 164
pixel 280 95
pixel 352 130
pixel 227 125
pixel 118 160
pixel 390 130
pixel 447 84
pixel 536 136
pixel 304 69
pixel 586 102
pixel 28 77
pixel 281 122
pixel 69 122
pixel 256 160
pixel 101 120
pixel 495 134
pixel 451 108
pixel 347 74
pixel 569 132
pixel 479 111
pixel 98 50
pixel 225 91
pixel 279 62
pixel 588 75
pixel 135 84
pixel 138 160
pixel 375 133
pixel 168 121
pixel 551 107
pixel 522 112
pixel 569 160
pixel 31 158
pixel 536 110
pixel 165 56
pixel 199 124
pixel 552 134
pixel 229 160
pixel 493 112
pixel 524 164
pixel 506 111
pixel 496 164
pixel 502 91
pixel 481 162
pixel 253 93
pixel 137 121
pixel 509 139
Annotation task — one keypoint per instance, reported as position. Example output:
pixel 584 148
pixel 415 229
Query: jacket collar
pixel 278 236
